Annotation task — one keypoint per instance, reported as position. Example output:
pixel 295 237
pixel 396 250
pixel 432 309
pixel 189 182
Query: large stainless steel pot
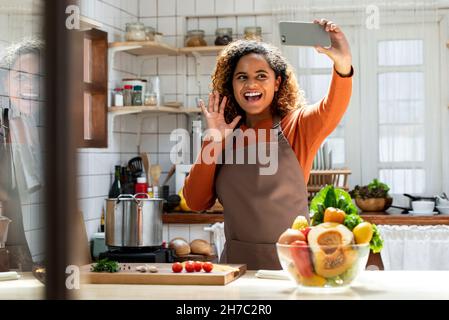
pixel 133 222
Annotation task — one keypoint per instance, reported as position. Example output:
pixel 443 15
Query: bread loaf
pixel 180 245
pixel 199 246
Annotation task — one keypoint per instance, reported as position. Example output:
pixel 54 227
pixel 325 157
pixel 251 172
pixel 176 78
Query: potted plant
pixel 372 197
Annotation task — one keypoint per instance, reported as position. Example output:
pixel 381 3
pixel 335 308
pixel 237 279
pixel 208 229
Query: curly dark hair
pixel 289 96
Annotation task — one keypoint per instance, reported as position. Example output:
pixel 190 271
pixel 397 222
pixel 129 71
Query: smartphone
pixel 294 33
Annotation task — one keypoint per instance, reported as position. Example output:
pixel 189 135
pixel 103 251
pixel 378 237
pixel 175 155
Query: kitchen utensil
pixel 417 213
pixel 423 206
pixel 220 275
pixel 445 196
pixel 134 222
pixel 443 210
pixel 169 174
pixel 146 166
pixel 136 167
pixel 155 173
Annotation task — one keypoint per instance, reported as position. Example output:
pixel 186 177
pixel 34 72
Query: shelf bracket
pixel 196 55
pixel 111 55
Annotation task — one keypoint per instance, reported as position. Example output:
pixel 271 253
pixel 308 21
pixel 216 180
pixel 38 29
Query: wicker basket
pixel 320 178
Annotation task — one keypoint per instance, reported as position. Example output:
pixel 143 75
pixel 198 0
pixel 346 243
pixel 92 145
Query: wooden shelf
pixel 201 50
pixel 155 109
pixel 144 48
pixel 192 218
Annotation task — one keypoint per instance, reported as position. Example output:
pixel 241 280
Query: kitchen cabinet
pixel 90 57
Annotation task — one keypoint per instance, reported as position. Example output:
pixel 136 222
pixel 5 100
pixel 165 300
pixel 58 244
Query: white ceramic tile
pixel 149 143
pixel 263 5
pixel 124 19
pixel 165 162
pixel 191 66
pixel 167 26
pixel 185 7
pixel 207 65
pixel 129 124
pixel 244 6
pixel 204 7
pixel 92 226
pixel 168 85
pixel 227 22
pixel 103 163
pixel 83 186
pixel 151 22
pixel 167 65
pixel 167 123
pixel 209 25
pixel 182 97
pixel 267 37
pixel 266 23
pixel 131 6
pixel 97 204
pixel 181 65
pixel 243 22
pixel 84 205
pixel 179 231
pixel 148 67
pixel 224 6
pixel 83 163
pixel 180 85
pixel 148 8
pixel 166 8
pixel 115 3
pixel 171 40
pixel 192 24
pixel 100 185
pixel 197 232
pixel 149 125
pixel 128 142
pixel 87 8
pixel 165 145
pixel 165 233
pixel 182 121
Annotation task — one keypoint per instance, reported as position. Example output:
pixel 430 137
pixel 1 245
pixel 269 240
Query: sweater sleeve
pixel 199 185
pixel 308 127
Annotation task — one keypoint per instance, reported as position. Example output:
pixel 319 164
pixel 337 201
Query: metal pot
pixel 132 221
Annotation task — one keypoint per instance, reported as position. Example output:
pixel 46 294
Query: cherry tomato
pixel 190 266
pixel 198 266
pixel 208 266
pixel 305 232
pixel 176 267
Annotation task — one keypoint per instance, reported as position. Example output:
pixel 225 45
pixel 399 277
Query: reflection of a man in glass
pixel 20 156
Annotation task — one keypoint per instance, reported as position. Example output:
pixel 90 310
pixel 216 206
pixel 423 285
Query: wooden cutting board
pixel 220 275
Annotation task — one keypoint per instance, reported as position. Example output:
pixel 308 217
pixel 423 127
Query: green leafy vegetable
pixel 375 189
pixel 105 265
pixel 376 244
pixel 352 220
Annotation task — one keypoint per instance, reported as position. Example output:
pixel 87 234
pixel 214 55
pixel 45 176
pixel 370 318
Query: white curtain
pixel 392 129
pixel 415 247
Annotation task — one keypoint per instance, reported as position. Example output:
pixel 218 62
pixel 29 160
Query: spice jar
pixel 195 38
pixel 118 97
pixel 224 36
pixel 137 96
pixel 135 31
pixel 150 99
pixel 253 33
pixel 149 33
pixel 127 95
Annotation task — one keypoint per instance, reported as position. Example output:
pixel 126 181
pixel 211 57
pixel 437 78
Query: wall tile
pixel 266 23
pixel 168 85
pixel 181 65
pixel 97 204
pixel 185 7
pixel 100 185
pixel 167 123
pixel 244 6
pixel 149 125
pixel 148 8
pixel 209 25
pixel 152 22
pixel 103 163
pixel 131 6
pixel 192 24
pixel 243 22
pixel 228 22
pixel 83 163
pixel 167 25
pixel 92 226
pixel 148 67
pixel 167 65
pixel 204 7
pixel 179 231
pixel 180 85
pixel 83 186
pixel 207 65
pixel 191 67
pixel 166 8
pixel 165 145
pixel 128 142
pixel 149 143
pixel 181 26
pixel 165 162
pixel 171 41
pixel 84 205
pixel 263 5
pixel 129 124
pixel 224 6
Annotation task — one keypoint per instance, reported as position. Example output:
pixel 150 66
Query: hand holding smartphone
pixel 308 34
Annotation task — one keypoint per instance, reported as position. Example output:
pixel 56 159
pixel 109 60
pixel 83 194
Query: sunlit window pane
pixel 400 52
pixel 315 86
pixel 309 58
pixel 401 143
pixel 404 180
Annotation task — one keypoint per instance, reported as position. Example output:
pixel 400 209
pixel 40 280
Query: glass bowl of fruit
pixel 326 258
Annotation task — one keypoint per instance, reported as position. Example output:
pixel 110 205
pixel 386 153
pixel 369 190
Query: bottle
pixel 141 187
pixel 115 190
pixel 118 97
pixel 150 192
pixel 137 96
pixel 102 220
pixel 155 191
pixel 127 95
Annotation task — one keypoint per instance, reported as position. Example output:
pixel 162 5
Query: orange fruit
pixel 334 215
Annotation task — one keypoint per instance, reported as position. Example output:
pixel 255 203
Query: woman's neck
pixel 253 119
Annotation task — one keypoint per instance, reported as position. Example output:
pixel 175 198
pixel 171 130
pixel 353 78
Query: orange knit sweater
pixel 305 130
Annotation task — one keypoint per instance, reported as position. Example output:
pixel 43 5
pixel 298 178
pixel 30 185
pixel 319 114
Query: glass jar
pixel 253 33
pixel 137 96
pixel 224 36
pixel 150 99
pixel 118 97
pixel 135 31
pixel 149 33
pixel 195 38
pixel 127 95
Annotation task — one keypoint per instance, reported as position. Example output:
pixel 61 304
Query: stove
pixel 158 254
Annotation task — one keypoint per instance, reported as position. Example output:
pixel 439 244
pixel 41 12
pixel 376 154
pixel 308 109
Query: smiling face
pixel 254 84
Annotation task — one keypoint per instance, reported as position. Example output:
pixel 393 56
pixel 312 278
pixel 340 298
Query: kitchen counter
pixel 419 285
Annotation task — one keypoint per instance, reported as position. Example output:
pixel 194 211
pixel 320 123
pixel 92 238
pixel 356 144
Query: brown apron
pixel 258 208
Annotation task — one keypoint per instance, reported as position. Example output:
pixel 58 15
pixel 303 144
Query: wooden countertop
pixel 379 218
pixel 419 285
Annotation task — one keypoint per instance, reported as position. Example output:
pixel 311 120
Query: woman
pixel 259 92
